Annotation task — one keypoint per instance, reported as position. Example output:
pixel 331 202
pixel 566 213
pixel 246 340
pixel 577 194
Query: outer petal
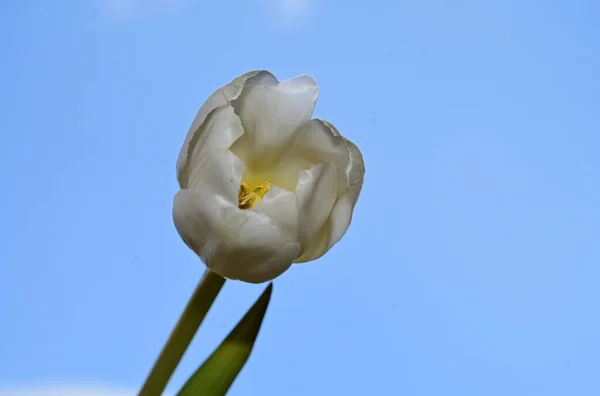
pixel 355 170
pixel 341 215
pixel 317 193
pixel 217 133
pixel 331 232
pixel 236 244
pixel 220 97
pixel 281 207
pixel 315 143
pixel 271 112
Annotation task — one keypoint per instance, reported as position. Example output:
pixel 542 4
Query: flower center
pixel 248 198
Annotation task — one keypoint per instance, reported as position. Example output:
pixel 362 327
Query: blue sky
pixel 472 263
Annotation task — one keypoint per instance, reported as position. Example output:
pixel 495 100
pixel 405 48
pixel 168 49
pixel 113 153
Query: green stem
pixel 182 334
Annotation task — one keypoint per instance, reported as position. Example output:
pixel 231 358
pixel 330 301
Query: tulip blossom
pixel 263 185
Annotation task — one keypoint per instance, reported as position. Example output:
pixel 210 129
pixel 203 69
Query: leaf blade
pixel 216 375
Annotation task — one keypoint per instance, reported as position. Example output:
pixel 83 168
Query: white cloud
pixel 66 389
pixel 290 13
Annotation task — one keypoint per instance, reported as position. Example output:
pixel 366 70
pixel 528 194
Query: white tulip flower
pixel 263 185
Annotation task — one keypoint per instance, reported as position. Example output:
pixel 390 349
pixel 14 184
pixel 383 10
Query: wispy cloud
pixel 66 389
pixel 288 13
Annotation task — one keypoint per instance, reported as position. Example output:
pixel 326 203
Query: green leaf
pixel 217 373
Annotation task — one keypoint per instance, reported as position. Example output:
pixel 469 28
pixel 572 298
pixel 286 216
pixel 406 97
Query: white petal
pixel 355 171
pixel 252 249
pixel 220 129
pixel 237 244
pixel 222 96
pixel 271 112
pixel 326 142
pixel 221 176
pixel 333 230
pixel 316 193
pixel 281 207
pixel 234 243
pixel 340 219
pixel 315 144
pixel 216 192
pixel 341 215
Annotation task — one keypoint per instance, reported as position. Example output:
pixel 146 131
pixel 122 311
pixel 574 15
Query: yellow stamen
pixel 249 198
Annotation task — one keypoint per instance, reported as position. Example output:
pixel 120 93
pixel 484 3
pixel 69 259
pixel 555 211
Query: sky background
pixel 472 266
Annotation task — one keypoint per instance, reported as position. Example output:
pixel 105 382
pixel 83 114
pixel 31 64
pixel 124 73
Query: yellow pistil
pixel 248 198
